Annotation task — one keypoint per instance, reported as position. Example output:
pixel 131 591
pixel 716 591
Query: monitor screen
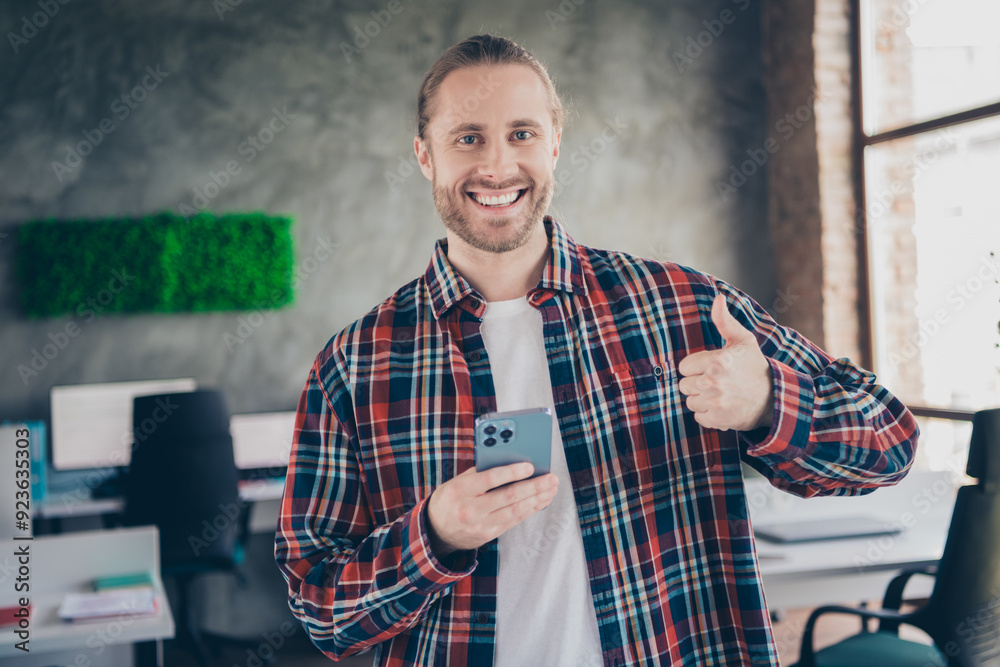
pixel 262 440
pixel 92 423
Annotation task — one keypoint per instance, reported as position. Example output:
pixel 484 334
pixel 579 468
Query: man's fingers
pixel 517 492
pixel 689 386
pixel 521 500
pixel 708 361
pixel 494 477
pixel 734 334
pixel 697 363
pixel 466 478
pixel 696 404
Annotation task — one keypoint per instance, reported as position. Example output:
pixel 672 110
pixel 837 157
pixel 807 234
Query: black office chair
pixel 962 615
pixel 182 478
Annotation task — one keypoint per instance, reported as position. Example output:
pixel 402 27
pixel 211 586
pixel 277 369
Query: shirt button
pixel 484 618
pixel 657 371
pixel 474 303
pixel 483 409
pixel 474 356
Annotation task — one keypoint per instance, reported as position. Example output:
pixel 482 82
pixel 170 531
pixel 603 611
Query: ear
pixel 555 149
pixel 423 151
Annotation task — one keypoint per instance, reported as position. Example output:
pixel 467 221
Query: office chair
pixel 962 615
pixel 183 479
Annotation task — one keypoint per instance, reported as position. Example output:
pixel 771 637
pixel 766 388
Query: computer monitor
pixel 262 440
pixel 92 423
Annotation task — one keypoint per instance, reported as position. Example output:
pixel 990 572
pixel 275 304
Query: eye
pixel 468 139
pixel 522 135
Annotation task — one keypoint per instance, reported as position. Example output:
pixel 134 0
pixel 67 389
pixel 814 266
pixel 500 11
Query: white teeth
pixel 494 200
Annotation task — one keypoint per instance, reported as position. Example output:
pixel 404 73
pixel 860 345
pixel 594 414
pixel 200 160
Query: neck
pixel 501 276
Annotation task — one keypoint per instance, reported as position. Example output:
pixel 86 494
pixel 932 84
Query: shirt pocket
pixel 656 436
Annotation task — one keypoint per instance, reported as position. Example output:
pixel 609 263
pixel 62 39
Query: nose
pixel 498 161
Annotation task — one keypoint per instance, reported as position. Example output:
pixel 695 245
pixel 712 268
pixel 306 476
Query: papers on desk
pixel 114 603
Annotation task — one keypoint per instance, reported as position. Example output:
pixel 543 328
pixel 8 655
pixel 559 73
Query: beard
pixel 519 227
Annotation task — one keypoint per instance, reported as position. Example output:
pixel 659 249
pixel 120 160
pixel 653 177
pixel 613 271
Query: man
pixel 636 548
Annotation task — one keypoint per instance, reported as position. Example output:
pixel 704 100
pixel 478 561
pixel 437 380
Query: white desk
pixel 802 575
pixel 62 505
pixel 811 574
pixel 69 563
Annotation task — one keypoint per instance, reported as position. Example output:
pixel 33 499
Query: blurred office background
pixel 721 134
pixel 343 167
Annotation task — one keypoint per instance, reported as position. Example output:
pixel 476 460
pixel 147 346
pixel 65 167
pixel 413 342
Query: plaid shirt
pixel 387 415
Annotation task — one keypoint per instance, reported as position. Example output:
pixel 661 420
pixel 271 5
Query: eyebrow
pixel 476 127
pixel 527 122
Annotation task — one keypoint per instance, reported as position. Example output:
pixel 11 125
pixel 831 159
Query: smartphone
pixel 503 438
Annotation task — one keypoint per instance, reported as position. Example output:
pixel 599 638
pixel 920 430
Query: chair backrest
pixel 964 609
pixel 183 478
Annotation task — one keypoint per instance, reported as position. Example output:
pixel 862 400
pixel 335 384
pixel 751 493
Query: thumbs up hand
pixel 731 388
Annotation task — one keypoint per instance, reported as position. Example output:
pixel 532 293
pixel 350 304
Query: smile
pixel 496 201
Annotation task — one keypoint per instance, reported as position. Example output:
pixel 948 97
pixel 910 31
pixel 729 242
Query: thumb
pixel 728 326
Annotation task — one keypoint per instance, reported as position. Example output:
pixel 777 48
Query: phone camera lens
pixel 490 430
pixel 506 433
pixel 489 442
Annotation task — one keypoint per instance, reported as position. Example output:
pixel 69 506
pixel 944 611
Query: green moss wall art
pixel 163 263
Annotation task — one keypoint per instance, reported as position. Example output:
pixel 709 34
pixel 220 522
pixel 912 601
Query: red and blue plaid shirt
pixel 387 415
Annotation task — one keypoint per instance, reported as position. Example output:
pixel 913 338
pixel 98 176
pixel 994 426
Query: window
pixel 929 174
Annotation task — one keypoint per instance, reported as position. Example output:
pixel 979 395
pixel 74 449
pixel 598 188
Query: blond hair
pixel 482 50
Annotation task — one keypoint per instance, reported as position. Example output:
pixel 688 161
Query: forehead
pixel 493 95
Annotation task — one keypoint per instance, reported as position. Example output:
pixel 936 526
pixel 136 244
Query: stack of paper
pixel 126 603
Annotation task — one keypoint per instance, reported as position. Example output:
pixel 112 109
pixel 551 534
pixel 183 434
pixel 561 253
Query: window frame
pixel 860 142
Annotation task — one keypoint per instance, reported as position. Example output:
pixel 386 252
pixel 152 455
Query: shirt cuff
pixel 794 398
pixel 425 570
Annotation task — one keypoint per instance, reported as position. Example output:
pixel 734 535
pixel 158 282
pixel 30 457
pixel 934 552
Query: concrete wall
pixel 683 79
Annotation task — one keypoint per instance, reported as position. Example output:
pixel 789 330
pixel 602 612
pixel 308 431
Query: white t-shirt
pixel 545 610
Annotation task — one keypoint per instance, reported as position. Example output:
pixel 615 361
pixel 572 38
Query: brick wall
pixel 814 215
pixel 794 214
pixel 838 206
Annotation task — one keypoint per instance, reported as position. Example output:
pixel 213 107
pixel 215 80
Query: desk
pixel 811 574
pixel 69 563
pixel 71 503
pixel 801 575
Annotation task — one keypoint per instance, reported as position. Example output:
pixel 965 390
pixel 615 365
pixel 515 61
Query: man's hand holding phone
pixel 469 510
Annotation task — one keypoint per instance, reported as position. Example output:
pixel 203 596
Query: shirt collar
pixel 562 271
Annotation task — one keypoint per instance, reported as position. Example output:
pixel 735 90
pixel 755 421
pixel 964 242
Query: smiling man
pixel 636 549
